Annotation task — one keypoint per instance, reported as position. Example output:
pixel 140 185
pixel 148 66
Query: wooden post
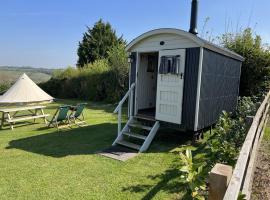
pixel 42 112
pixel 10 123
pixel 219 179
pixel 3 120
pixel 35 115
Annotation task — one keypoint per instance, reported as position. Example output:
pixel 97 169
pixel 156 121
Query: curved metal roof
pixel 199 41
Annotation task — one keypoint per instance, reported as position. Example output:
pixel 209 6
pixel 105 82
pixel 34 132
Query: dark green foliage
pixel 241 196
pixel 192 170
pixel 4 87
pixel 117 58
pixel 221 147
pixel 255 72
pixel 96 43
pixel 102 80
pixel 230 133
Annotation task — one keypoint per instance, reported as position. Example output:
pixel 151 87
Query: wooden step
pixel 129 144
pixel 152 119
pixel 134 135
pixel 148 128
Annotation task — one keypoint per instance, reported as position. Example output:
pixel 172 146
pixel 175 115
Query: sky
pixel 46 33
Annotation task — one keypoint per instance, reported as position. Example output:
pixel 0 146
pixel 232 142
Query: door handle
pixel 181 75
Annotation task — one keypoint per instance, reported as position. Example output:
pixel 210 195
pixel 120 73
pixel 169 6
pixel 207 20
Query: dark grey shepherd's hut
pixel 177 78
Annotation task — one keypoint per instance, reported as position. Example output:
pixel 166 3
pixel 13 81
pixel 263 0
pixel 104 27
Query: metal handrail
pixel 118 109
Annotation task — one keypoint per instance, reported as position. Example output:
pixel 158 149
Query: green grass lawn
pixel 41 163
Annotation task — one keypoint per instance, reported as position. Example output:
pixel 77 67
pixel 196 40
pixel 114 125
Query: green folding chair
pixel 77 115
pixel 60 117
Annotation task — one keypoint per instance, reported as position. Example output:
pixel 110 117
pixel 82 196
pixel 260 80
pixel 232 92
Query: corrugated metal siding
pixel 190 87
pixel 219 87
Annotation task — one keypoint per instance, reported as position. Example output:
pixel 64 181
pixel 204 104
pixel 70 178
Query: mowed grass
pixel 41 163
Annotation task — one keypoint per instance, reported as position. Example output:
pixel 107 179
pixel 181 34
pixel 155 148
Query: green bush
pixel 102 80
pixel 192 170
pixel 230 133
pixel 223 146
pixel 4 87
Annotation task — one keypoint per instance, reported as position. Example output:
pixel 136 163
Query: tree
pixel 118 61
pixel 255 72
pixel 96 43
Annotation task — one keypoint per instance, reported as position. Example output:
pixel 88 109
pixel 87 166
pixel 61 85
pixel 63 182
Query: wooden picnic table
pixel 12 115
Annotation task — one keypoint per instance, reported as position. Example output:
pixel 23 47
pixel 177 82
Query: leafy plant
pixel 230 133
pixel 246 107
pixel 192 174
pixel 4 87
pixel 241 196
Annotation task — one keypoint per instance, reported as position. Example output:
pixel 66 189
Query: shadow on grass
pixel 89 140
pixel 168 139
pixel 77 141
pixel 18 125
pixel 169 181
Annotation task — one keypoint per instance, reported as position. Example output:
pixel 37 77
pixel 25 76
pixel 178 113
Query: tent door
pixel 170 89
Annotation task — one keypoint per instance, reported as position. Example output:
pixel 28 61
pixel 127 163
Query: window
pixel 170 65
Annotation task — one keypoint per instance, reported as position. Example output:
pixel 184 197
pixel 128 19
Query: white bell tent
pixel 25 91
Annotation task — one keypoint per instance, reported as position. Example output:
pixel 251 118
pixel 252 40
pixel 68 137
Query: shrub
pixel 4 87
pixel 230 133
pixel 69 72
pixel 193 174
pixel 102 80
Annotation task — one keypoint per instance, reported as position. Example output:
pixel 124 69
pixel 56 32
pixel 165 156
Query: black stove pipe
pixel 194 17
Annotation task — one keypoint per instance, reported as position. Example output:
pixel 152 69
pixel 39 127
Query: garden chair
pixel 77 115
pixel 60 117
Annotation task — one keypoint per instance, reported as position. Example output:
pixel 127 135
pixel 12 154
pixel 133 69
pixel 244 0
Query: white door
pixel 170 89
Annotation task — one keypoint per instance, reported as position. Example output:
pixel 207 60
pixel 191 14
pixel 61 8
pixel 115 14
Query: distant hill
pixel 9 74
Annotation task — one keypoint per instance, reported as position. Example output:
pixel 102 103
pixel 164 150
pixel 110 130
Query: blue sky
pixel 46 33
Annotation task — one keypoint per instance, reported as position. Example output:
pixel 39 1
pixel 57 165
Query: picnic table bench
pixel 10 115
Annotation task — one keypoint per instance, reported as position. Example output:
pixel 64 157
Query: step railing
pixel 150 137
pixel 129 95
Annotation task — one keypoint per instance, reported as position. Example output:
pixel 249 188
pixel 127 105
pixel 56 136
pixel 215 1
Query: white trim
pixel 150 137
pixel 165 30
pixel 198 90
pixel 129 85
pixel 138 60
pixel 200 42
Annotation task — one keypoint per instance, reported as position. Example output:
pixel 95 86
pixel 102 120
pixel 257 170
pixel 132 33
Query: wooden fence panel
pixel 241 180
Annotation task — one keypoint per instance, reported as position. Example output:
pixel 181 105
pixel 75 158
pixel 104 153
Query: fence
pixel 241 180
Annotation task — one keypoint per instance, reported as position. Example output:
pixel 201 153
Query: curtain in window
pixel 169 65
